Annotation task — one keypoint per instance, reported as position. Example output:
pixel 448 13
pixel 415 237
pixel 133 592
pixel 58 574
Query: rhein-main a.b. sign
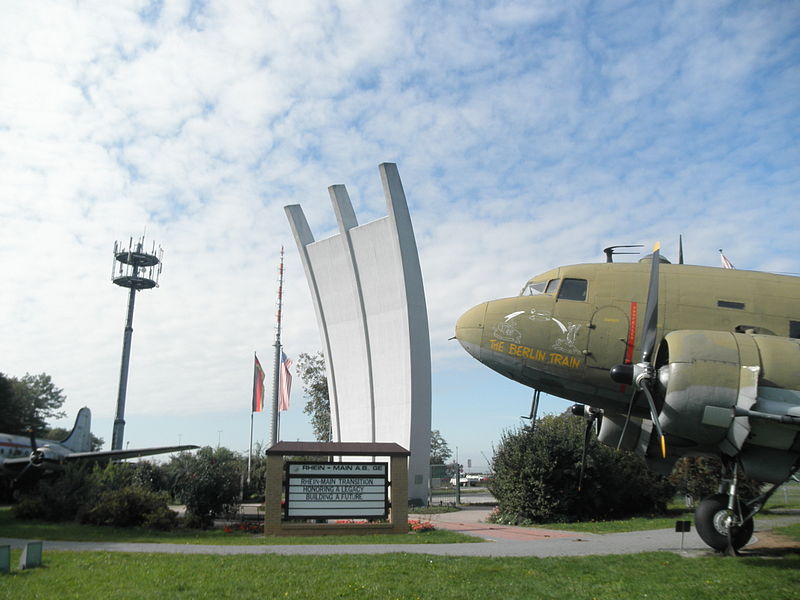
pixel 336 490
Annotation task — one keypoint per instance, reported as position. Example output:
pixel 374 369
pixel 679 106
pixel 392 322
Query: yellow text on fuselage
pixel 555 358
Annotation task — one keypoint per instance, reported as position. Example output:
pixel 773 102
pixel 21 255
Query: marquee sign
pixel 337 490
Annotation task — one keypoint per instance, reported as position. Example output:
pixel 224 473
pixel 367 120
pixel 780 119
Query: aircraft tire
pixel 710 523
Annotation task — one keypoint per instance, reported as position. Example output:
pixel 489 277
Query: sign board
pixel 683 526
pixel 31 556
pixel 337 490
pixel 5 559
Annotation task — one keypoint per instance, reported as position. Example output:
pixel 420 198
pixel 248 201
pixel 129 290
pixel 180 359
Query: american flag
pixel 285 387
pixel 726 264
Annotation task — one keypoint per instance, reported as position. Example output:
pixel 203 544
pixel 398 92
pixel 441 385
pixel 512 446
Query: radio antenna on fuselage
pixel 612 250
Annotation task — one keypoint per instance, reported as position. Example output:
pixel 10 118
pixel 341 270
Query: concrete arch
pixel 369 298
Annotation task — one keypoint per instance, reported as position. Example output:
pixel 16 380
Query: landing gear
pixel 720 527
pixel 724 521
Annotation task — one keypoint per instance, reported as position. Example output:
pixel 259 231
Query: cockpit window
pixel 534 288
pixel 573 289
pixel 552 286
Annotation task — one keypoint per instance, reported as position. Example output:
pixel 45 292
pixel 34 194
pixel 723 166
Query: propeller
pixel 642 375
pixel 37 456
pixel 35 459
pixel 593 416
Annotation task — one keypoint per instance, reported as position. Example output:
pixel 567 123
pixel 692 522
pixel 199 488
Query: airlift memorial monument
pixel 366 285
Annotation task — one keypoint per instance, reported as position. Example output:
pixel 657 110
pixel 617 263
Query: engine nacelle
pixel 706 377
pixel 701 380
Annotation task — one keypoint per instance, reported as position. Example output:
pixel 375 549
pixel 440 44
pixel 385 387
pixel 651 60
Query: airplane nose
pixel 469 328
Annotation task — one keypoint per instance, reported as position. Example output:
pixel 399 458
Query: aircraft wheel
pixel 710 518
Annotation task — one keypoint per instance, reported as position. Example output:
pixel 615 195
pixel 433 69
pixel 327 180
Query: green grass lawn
pixel 89 575
pixel 787 497
pixel 42 530
pixel 433 510
pixel 635 523
pixel 623 525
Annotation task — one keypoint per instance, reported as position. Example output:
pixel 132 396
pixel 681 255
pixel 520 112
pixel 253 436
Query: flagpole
pixel 252 409
pixel 277 365
pixel 250 448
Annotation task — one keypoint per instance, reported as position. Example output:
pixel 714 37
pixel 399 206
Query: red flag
pixel 258 387
pixel 285 383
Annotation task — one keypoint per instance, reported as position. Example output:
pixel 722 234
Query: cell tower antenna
pixel 136 272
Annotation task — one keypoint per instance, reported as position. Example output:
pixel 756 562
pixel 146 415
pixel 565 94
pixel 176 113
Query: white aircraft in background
pixel 23 460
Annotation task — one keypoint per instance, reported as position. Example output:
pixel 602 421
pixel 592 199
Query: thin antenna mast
pixel 276 370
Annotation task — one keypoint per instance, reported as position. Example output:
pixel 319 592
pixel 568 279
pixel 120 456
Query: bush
pixel 101 495
pixel 698 477
pixel 129 507
pixel 59 498
pixel 536 477
pixel 208 483
pixel 150 476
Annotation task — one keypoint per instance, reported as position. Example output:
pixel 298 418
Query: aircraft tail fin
pixel 80 438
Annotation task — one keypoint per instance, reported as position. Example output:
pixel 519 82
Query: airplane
pixel 669 360
pixel 26 460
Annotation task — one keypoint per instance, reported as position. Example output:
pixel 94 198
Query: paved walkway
pixel 502 541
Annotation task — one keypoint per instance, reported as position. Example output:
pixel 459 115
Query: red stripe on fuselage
pixel 631 334
pixel 631 339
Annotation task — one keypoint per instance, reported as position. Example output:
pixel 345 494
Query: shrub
pixel 161 518
pixel 59 498
pixel 208 483
pixel 130 506
pixel 536 476
pixel 101 495
pixel 698 477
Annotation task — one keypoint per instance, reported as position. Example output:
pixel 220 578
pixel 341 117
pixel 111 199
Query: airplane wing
pixel 15 463
pixel 11 465
pixel 132 453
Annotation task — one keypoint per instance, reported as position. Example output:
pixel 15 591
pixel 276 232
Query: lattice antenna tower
pixel 136 269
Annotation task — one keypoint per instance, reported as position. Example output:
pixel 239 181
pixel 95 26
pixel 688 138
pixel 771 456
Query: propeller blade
pixel 654 417
pixel 586 435
pixel 627 418
pixel 641 374
pixel 22 473
pixel 651 310
pixel 33 439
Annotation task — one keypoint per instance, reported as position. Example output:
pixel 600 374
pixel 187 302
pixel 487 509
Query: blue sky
pixel 527 134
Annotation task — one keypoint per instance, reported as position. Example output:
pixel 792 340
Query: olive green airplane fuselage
pixel 711 366
pixel 572 324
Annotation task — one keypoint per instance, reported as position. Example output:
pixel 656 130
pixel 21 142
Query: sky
pixel 528 135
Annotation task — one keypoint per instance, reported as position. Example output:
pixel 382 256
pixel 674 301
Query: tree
pixel 536 476
pixel 29 402
pixel 440 452
pixel 11 410
pixel 311 368
pixel 207 482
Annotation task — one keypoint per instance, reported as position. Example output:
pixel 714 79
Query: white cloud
pixel 527 135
